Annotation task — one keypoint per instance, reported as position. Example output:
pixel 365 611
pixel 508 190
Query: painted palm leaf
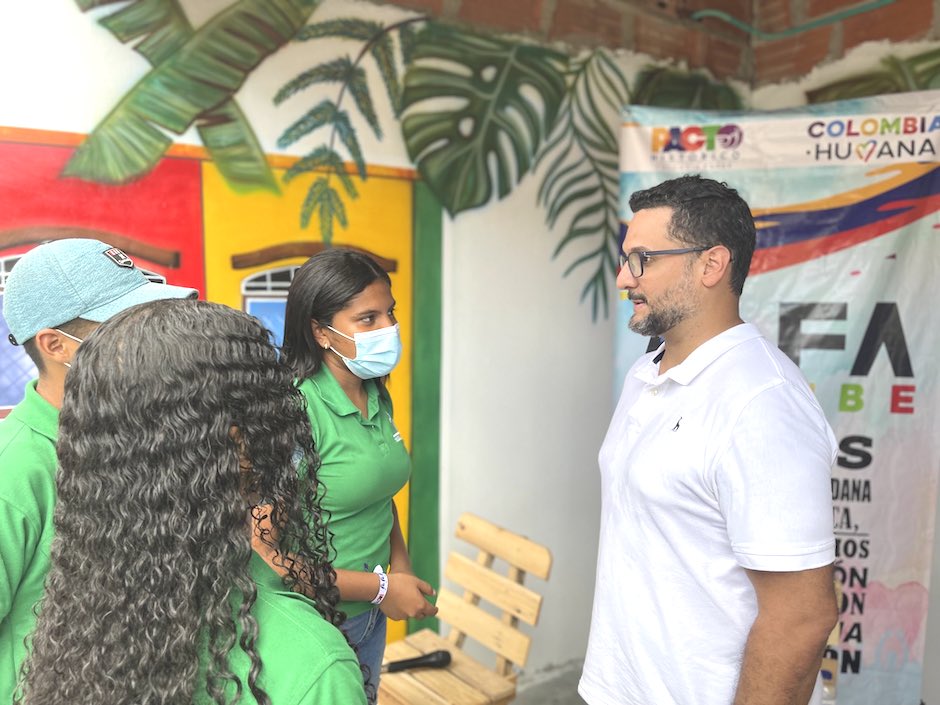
pixel 383 52
pixel 916 73
pixel 322 159
pixel 322 198
pixel 926 69
pixel 343 71
pixel 581 183
pixel 668 88
pixel 407 36
pixel 377 40
pixel 477 111
pixel 192 82
pixel 326 112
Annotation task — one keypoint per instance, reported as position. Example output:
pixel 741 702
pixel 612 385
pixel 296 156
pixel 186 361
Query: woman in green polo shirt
pixel 341 338
pixel 178 419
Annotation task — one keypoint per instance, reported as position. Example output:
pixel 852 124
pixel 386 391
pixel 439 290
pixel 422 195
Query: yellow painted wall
pixel 381 221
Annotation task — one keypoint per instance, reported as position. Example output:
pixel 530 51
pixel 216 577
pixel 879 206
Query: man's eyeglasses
pixel 635 260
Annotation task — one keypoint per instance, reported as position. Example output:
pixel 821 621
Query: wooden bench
pixel 466 681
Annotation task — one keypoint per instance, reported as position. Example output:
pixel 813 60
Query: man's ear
pixel 52 345
pixel 717 265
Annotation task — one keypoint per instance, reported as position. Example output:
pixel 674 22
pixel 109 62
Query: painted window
pixel 264 296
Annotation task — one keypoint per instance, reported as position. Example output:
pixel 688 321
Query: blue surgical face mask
pixel 377 352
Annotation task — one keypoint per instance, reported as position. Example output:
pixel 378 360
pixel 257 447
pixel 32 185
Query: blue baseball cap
pixel 62 280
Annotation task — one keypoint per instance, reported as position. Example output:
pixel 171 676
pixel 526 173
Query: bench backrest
pixel 512 600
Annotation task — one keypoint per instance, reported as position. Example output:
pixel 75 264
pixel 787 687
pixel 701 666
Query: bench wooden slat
pixel 512 548
pixel 401 649
pixel 458 691
pixel 395 688
pixel 437 680
pixel 508 601
pixel 469 670
pixel 482 626
pixel 518 600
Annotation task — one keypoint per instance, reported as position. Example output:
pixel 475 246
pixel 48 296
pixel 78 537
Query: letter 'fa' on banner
pixel 846 198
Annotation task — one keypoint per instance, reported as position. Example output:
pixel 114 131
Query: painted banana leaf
pixel 669 88
pixel 234 149
pixel 196 73
pixel 916 73
pixel 582 176
pixel 477 110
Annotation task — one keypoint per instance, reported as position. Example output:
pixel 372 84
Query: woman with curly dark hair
pixel 181 433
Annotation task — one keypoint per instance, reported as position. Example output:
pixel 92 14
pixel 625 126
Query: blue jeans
pixel 366 632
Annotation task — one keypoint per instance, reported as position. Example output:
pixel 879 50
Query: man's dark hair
pixel 78 327
pixel 705 212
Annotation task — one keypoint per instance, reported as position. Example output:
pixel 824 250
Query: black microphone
pixel 434 659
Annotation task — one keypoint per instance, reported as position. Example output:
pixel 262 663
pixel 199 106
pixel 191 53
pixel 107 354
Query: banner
pixel 845 197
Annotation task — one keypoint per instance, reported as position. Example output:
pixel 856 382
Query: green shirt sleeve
pixel 27 502
pixel 340 682
pixel 17 540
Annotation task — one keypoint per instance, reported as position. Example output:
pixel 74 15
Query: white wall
pixel 526 401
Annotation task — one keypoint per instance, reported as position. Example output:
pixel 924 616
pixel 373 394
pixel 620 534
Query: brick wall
pixel 664 29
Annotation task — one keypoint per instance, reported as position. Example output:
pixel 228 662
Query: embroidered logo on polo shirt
pixel 396 436
pixel 676 427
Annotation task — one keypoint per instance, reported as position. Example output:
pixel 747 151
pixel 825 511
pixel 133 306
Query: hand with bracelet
pixel 402 595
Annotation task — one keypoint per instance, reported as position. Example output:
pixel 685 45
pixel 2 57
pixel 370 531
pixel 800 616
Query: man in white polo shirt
pixel 714 574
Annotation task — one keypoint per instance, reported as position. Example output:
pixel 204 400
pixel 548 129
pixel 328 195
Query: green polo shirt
pixel 363 463
pixel 305 659
pixel 27 501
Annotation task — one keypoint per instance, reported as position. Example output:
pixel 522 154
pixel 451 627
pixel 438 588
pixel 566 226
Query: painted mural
pixel 183 224
pixel 477 114
pixel 893 75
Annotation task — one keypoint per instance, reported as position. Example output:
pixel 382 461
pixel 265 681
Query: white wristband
pixel 383 585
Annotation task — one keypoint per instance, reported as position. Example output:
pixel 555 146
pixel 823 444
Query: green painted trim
pixel 424 507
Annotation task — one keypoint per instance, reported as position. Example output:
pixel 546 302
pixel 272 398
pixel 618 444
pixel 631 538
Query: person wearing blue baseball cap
pixel 56 295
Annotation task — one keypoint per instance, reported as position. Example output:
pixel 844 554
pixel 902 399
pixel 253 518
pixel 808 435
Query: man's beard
pixel 657 323
pixel 677 305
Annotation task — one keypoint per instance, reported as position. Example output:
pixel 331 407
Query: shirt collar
pixel 328 389
pixel 264 576
pixel 36 413
pixel 700 358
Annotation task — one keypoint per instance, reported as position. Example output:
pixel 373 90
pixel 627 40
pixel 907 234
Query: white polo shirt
pixel 720 464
